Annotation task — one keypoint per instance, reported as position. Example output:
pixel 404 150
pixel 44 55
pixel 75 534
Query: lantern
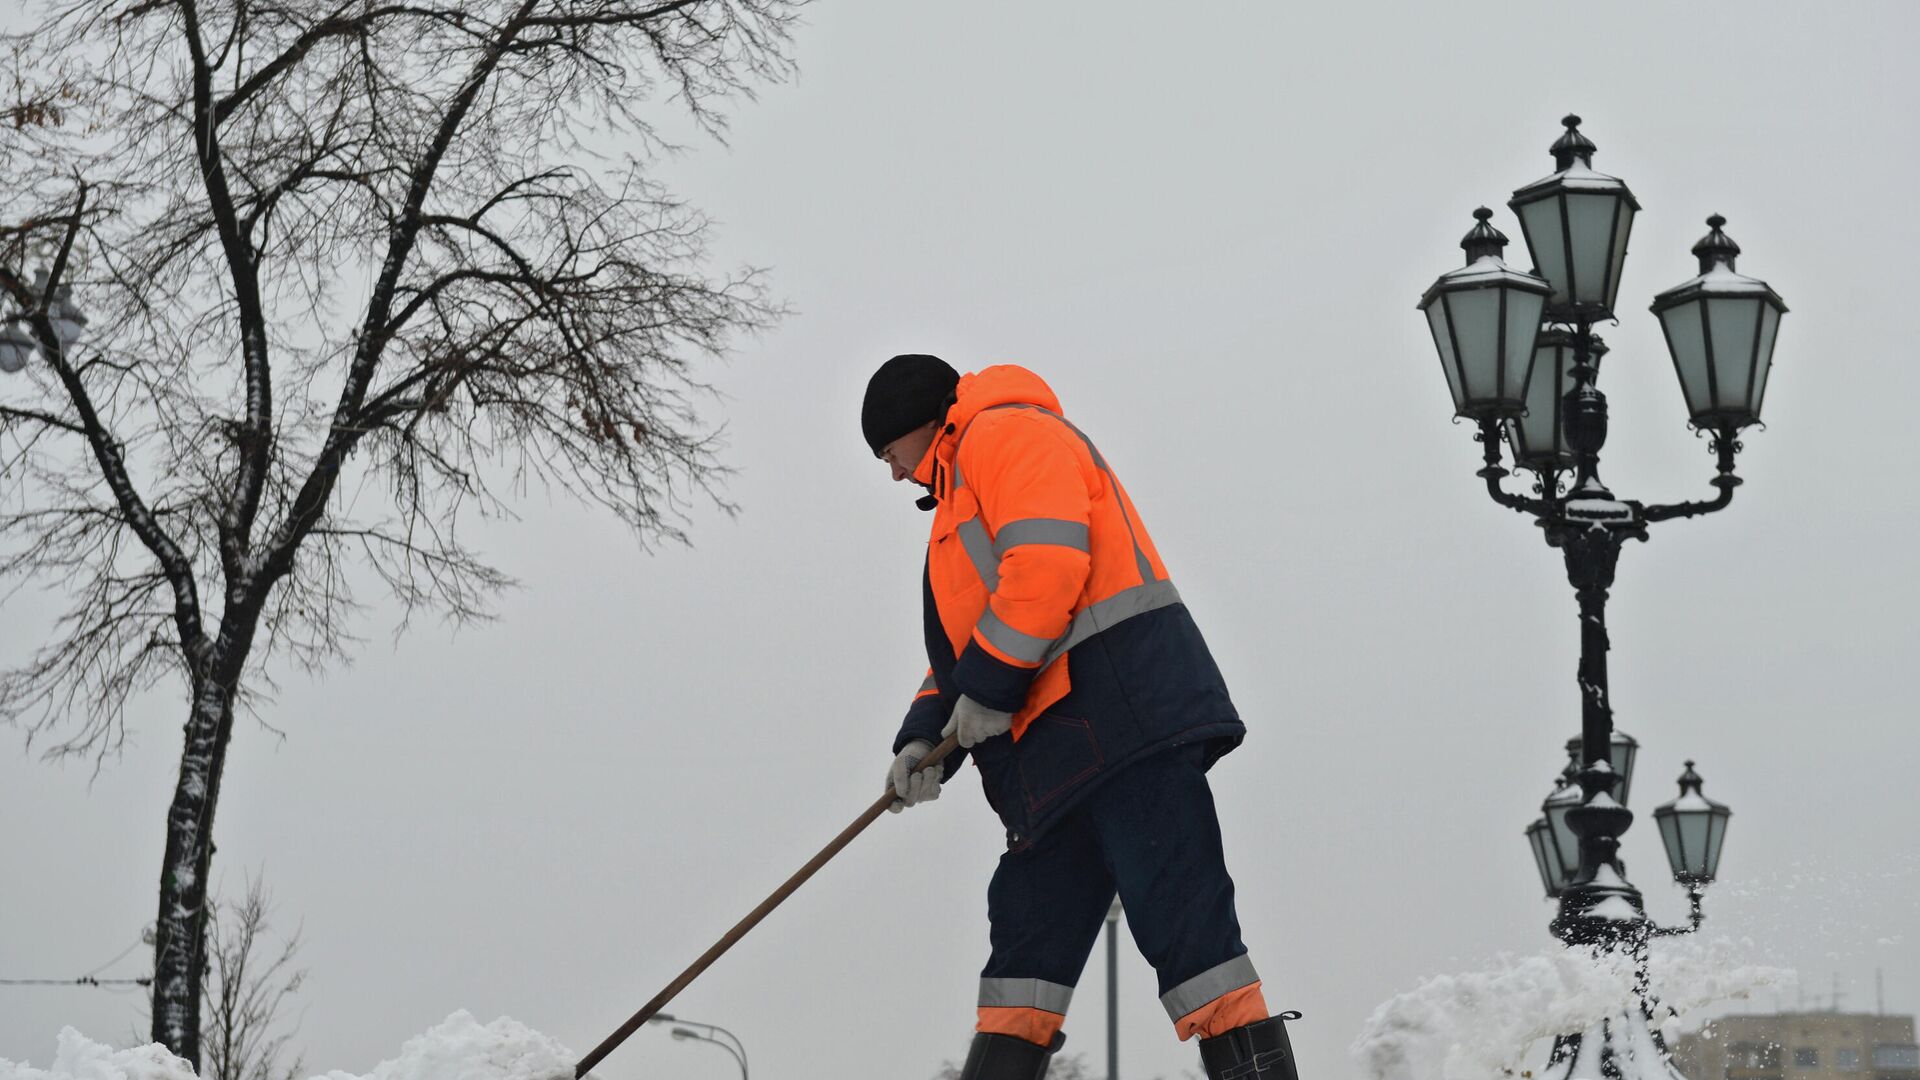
pixel 1720 328
pixel 1622 750
pixel 1539 439
pixel 1576 223
pixel 1484 317
pixel 1692 827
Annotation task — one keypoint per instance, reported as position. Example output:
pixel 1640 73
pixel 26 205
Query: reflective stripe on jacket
pixel 1046 598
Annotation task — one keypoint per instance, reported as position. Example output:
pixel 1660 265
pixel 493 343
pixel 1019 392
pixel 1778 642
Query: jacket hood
pixel 1001 384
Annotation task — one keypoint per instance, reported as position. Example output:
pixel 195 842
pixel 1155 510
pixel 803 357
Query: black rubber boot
pixel 1003 1057
pixel 1256 1051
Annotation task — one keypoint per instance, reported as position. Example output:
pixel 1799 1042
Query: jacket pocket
pixel 1056 754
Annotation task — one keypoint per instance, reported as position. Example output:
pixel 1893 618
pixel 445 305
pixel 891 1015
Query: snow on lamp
pixel 1692 827
pixel 1484 317
pixel 1720 328
pixel 1576 223
pixel 1539 437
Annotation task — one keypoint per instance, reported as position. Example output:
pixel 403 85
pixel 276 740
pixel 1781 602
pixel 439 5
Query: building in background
pixel 1801 1046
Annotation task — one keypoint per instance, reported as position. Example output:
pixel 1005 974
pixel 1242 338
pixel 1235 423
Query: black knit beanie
pixel 908 391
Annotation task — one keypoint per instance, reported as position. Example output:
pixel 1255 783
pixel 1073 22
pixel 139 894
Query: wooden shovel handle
pixel 786 889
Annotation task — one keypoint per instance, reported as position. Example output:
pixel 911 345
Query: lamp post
pixel 1113 990
pixel 683 1029
pixel 1720 328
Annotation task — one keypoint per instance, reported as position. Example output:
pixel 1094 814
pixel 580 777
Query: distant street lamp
pixel 683 1029
pixel 1522 362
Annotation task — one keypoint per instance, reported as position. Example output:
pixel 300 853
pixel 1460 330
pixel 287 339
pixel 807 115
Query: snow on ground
pixel 80 1058
pixel 1472 1026
pixel 458 1048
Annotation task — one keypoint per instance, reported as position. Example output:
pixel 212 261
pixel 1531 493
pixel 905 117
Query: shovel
pixel 786 889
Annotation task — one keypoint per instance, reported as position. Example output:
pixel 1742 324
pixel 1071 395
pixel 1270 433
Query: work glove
pixel 912 788
pixel 975 723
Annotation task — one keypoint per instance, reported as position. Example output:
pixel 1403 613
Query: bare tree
pixel 251 977
pixel 356 270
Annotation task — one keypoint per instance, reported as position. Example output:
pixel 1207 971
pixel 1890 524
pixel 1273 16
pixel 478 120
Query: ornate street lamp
pixel 1484 317
pixel 1576 222
pixel 1721 327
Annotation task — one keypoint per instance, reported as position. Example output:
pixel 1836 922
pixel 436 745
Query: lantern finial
pixel 1572 145
pixel 1716 246
pixel 1690 781
pixel 1483 239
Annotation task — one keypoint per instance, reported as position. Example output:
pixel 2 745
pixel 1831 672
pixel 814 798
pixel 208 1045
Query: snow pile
pixel 80 1058
pixel 458 1048
pixel 1472 1026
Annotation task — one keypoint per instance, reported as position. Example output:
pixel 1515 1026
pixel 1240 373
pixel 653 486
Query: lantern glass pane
pixel 1734 323
pixel 1539 430
pixel 1769 328
pixel 14 354
pixel 1623 227
pixel 1442 341
pixel 1621 758
pixel 1544 860
pixel 66 330
pixel 1565 841
pixel 1670 839
pixel 1476 326
pixel 1688 344
pixel 1716 835
pixel 1694 826
pixel 1540 222
pixel 1590 221
pixel 1523 327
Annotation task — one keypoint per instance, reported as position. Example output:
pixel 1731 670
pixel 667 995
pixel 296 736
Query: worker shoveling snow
pixel 458 1048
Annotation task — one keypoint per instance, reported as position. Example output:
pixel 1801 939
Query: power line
pixel 137 942
pixel 84 980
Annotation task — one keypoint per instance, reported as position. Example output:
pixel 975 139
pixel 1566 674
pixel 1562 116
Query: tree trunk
pixel 180 940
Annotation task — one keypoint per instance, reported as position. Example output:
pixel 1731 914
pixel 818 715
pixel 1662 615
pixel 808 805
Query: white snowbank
pixel 461 1049
pixel 1472 1026
pixel 80 1058
pixel 458 1048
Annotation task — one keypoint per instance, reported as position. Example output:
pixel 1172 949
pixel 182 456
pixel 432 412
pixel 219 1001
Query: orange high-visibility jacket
pixel 1046 598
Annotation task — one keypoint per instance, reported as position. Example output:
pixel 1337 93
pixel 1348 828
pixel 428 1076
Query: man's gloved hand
pixel 912 788
pixel 975 723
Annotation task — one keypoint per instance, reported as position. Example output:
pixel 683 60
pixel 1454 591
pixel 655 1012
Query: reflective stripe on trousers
pixel 1025 994
pixel 1213 983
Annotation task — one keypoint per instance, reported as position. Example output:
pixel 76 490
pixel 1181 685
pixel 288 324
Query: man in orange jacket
pixel 1062 657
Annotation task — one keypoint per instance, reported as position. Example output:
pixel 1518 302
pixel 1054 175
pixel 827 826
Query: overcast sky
pixel 1207 226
